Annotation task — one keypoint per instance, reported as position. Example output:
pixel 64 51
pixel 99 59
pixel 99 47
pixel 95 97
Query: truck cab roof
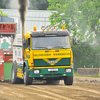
pixel 49 33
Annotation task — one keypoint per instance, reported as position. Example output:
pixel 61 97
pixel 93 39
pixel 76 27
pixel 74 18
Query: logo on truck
pixel 53 61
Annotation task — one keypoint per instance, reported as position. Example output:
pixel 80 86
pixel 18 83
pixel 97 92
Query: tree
pixel 88 21
pixel 85 54
pixel 91 16
pixel 2 14
pixel 4 3
pixel 38 4
pixel 84 17
pixel 85 24
pixel 64 10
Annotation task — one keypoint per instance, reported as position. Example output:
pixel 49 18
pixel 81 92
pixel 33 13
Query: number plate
pixel 53 69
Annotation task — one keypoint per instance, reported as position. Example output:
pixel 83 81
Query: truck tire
pixel 27 79
pixel 14 79
pixel 68 80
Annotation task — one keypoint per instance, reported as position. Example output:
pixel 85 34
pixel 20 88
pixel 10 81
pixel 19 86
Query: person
pixel 4 44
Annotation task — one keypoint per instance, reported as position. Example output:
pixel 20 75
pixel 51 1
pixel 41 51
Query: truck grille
pixel 49 75
pixel 43 63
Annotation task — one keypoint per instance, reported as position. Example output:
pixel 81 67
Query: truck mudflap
pixel 1 70
pixel 51 72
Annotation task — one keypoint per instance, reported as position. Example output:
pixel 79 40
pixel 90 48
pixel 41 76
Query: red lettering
pixel 5 26
pixel 9 26
pixel 1 26
pixel 13 26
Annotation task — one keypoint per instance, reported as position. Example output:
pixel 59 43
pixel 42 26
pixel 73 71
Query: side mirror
pixel 74 41
pixel 24 43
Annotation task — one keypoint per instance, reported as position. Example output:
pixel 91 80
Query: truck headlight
pixel 68 70
pixel 36 71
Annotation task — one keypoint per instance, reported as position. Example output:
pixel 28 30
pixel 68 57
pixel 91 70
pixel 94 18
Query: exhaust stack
pixel 22 10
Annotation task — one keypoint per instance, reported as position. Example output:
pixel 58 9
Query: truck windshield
pixel 51 42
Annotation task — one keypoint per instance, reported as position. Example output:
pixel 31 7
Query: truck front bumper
pixel 52 72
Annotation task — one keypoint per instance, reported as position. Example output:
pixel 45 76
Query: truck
pixel 44 54
pixel 7 33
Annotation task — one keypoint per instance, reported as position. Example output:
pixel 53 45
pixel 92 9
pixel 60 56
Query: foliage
pixel 89 25
pixel 2 14
pixel 64 10
pixel 85 24
pixel 38 5
pixel 4 3
pixel 84 17
pixel 85 54
pixel 89 19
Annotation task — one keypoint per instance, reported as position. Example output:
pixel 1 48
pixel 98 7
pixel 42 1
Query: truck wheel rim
pixel 12 74
pixel 24 77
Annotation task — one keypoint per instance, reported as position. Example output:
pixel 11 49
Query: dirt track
pixel 82 89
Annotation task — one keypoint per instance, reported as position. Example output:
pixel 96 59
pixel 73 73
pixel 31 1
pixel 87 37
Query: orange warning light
pixel 63 27
pixel 35 29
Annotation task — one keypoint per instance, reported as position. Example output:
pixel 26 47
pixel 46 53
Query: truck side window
pixel 28 42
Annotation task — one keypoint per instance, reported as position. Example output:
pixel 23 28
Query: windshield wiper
pixel 41 47
pixel 54 47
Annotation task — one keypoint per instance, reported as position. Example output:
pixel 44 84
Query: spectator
pixel 4 44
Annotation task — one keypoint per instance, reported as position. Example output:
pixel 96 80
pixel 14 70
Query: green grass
pixel 95 76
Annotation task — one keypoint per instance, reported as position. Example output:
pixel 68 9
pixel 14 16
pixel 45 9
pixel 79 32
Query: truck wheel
pixel 27 79
pixel 68 80
pixel 14 79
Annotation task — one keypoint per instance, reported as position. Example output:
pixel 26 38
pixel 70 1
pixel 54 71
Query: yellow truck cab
pixel 46 55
